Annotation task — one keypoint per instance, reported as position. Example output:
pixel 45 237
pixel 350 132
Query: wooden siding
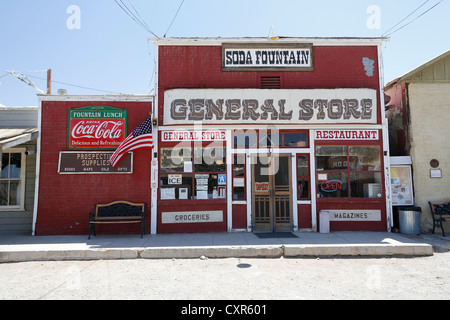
pixel 18 117
pixel 20 222
pixel 436 70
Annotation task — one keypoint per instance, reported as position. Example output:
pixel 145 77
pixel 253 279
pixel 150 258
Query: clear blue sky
pixel 110 51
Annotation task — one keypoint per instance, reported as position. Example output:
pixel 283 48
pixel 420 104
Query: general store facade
pixel 261 135
pixel 250 135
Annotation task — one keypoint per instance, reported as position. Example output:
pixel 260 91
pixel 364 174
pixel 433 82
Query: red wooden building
pixel 258 134
pixel 250 134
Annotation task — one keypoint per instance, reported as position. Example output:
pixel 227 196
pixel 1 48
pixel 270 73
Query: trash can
pixel 409 219
pixel 324 221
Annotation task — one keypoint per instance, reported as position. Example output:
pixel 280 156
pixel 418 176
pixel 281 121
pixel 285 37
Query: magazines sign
pixel 96 128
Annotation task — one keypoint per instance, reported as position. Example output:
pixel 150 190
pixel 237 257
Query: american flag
pixel 141 138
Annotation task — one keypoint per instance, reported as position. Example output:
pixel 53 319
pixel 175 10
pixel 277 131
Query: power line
pixel 405 17
pixel 133 16
pixel 176 14
pixel 143 21
pixel 411 20
pixel 74 85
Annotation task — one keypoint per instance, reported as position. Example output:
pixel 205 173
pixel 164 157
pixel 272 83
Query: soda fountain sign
pixel 96 128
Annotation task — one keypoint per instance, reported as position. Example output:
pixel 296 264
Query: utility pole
pixel 49 81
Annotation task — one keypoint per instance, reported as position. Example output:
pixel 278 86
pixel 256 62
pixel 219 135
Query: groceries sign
pixel 96 127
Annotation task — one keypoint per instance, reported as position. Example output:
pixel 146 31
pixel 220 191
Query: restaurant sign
pixel 346 135
pixel 96 127
pixel 275 106
pixel 92 162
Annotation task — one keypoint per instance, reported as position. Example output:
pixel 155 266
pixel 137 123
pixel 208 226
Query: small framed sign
pixel 435 173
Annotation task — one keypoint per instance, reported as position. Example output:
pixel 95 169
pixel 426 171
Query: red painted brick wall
pixel 334 67
pixel 66 200
pixel 201 67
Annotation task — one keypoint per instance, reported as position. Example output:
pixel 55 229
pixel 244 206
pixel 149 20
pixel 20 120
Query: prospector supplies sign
pixel 96 127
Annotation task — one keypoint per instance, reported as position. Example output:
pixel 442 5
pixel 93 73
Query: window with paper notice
pixel 401 185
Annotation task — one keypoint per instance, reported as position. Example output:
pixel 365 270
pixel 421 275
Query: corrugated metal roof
pixel 10 138
pixel 10 133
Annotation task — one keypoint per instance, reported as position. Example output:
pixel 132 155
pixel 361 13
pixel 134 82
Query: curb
pixel 360 250
pixel 286 251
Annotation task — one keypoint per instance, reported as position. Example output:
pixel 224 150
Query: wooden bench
pixel 117 212
pixel 440 212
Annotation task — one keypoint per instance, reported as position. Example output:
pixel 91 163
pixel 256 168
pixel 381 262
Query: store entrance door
pixel 271 189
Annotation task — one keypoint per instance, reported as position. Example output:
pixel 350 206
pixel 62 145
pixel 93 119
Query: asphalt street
pixel 255 279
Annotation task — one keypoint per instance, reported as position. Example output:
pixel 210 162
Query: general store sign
pixel 184 135
pixel 96 127
pixel 270 106
pixel 267 56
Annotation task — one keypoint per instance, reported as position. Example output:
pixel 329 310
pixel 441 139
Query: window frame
pixel 348 171
pixel 308 176
pixel 235 155
pixel 192 145
pixel 259 138
pixel 22 179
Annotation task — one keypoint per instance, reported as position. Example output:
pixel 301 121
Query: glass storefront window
pixel 245 140
pixel 239 177
pixel 334 186
pixel 295 140
pixel 210 186
pixel 210 159
pixel 331 157
pixel 366 184
pixel 349 171
pixel 176 187
pixel 175 159
pixel 188 172
pixel 303 177
pixel 11 180
pixel 269 138
pixel 365 158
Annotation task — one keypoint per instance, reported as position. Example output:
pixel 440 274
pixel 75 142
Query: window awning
pixel 12 137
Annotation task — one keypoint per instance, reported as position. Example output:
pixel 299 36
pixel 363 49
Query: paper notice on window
pixel 202 195
pixel 187 166
pixel 167 193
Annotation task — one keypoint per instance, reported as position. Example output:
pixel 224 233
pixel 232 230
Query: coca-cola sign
pixel 96 127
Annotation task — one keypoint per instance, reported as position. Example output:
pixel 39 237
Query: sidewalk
pixel 215 245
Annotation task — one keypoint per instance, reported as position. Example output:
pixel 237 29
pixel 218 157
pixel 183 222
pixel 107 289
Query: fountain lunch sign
pixel 96 127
